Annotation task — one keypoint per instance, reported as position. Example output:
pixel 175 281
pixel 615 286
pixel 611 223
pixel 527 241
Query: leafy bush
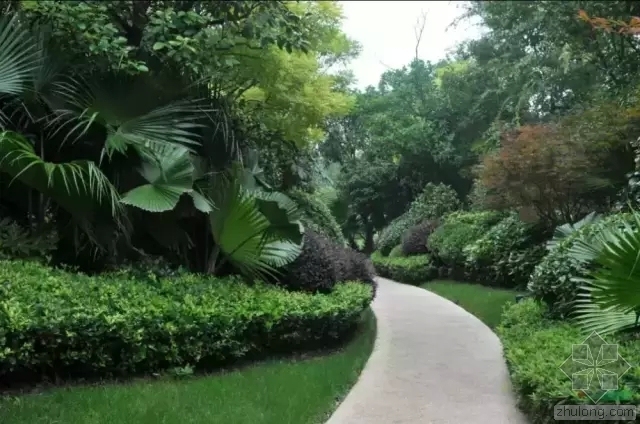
pixel 323 264
pixel 503 255
pixel 69 325
pixel 435 201
pixel 391 235
pixel 355 266
pixel 317 216
pixel 411 270
pixel 414 240
pixel 552 280
pixel 396 252
pixel 18 242
pixel 535 347
pixel 458 230
pixel 315 270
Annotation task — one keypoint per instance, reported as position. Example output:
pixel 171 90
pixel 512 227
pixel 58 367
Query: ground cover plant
pixel 535 349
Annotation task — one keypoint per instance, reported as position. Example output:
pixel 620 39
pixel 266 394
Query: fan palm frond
pixel 170 174
pixel 610 297
pixel 246 237
pixel 76 186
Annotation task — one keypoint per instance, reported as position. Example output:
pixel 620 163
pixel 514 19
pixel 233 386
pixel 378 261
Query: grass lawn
pixel 486 303
pixel 276 392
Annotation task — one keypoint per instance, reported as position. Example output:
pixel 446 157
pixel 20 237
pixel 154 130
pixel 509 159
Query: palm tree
pixel 81 144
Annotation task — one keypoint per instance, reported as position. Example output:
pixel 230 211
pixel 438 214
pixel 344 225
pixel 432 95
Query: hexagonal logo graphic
pixel 595 367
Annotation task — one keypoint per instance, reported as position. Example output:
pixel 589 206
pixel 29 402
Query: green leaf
pixel 244 234
pixel 169 173
pixel 18 56
pixel 159 45
pixel 77 186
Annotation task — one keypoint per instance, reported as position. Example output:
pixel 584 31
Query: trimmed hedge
pixel 411 269
pixel 61 325
pixel 323 264
pixel 535 348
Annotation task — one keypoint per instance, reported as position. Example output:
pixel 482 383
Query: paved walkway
pixel 432 363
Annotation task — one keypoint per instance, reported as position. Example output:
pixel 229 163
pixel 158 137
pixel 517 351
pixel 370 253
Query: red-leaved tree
pixel 538 169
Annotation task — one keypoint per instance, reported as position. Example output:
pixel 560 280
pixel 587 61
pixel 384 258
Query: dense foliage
pixel 411 270
pixel 553 281
pixel 63 325
pixel 459 229
pixel 323 264
pixel 433 202
pixel 317 216
pixel 505 255
pixel 538 379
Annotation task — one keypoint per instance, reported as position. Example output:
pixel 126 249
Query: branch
pixel 418 30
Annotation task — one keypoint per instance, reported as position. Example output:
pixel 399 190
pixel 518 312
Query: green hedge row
pixel 410 269
pixel 536 347
pixel 58 324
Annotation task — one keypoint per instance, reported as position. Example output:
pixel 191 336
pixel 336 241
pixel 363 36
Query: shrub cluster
pixel 322 264
pixel 411 269
pixel 317 216
pixel 552 280
pixel 414 240
pixel 391 235
pixel 458 230
pixel 504 255
pixel 396 252
pixel 535 347
pixel 68 325
pixel 435 201
pixel 19 242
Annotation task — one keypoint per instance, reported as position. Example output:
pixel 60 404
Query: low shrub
pixel 317 216
pixel 458 230
pixel 63 325
pixel 23 243
pixel 322 264
pixel 552 280
pixel 391 235
pixel 535 348
pixel 414 240
pixel 435 201
pixel 503 256
pixel 396 252
pixel 411 269
pixel 356 266
pixel 315 269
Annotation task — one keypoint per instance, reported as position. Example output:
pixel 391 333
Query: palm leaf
pixel 66 182
pixel 18 56
pixel 170 174
pixel 610 296
pixel 565 230
pixel 87 105
pixel 242 233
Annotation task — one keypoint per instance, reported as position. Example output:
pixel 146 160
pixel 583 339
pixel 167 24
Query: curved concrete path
pixel 433 362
